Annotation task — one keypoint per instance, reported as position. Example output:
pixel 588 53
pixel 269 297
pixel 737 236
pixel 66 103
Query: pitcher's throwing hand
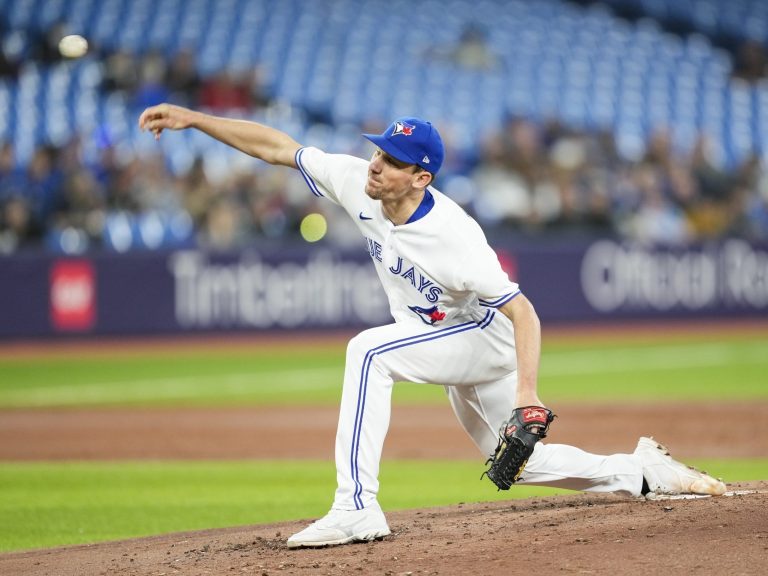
pixel 166 116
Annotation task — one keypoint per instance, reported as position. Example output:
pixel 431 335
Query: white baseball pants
pixel 475 361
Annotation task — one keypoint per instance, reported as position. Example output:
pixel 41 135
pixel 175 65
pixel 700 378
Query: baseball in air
pixel 313 227
pixel 73 46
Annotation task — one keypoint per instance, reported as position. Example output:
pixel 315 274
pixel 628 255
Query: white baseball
pixel 73 46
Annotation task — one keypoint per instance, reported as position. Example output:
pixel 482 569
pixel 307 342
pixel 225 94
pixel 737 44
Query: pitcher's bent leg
pixel 482 408
pixel 562 466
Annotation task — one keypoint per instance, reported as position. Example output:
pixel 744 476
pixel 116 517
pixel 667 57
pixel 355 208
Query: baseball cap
pixel 413 141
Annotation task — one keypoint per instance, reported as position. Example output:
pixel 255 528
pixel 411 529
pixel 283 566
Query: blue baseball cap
pixel 413 141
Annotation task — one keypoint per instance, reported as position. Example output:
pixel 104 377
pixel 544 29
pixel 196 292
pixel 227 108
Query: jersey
pixel 437 268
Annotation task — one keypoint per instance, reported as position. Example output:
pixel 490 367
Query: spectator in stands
pixel 752 220
pixel 81 206
pixel 545 179
pixel 254 81
pixel 182 79
pixel 225 92
pixel 748 205
pixel 121 73
pixel 106 163
pixel 122 188
pixel 155 188
pixel 10 56
pixel 565 164
pixel 598 216
pixel 197 192
pixel 503 194
pixel 710 214
pixel 658 151
pixel 152 88
pixel 17 229
pixel 272 212
pixel 656 220
pixel 223 227
pixel 11 176
pixel 713 182
pixel 42 184
pixel 471 51
pixel 46 48
pixel 751 61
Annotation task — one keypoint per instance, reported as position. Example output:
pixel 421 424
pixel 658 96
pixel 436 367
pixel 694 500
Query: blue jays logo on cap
pixel 422 144
pixel 403 128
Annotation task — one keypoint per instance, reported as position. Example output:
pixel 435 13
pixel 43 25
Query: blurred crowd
pixel 557 180
pixel 525 179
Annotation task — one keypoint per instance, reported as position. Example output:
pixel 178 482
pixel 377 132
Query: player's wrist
pixel 525 398
pixel 196 119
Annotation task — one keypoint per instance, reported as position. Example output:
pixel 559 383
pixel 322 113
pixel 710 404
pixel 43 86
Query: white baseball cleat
pixel 665 475
pixel 342 527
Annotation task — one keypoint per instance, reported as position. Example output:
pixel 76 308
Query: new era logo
pixel 425 159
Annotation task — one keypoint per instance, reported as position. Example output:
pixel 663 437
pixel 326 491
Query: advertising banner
pixel 307 287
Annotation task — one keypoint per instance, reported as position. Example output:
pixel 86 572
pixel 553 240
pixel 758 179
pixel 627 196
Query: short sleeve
pixel 481 272
pixel 326 174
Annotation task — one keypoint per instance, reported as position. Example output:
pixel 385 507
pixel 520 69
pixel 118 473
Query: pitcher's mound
pixel 578 534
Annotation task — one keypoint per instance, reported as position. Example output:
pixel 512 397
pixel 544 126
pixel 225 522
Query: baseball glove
pixel 517 438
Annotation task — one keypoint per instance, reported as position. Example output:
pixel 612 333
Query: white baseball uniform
pixel 444 283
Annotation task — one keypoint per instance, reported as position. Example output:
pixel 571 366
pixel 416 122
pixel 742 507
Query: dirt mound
pixel 579 534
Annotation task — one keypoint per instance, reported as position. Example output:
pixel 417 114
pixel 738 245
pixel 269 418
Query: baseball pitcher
pixel 459 321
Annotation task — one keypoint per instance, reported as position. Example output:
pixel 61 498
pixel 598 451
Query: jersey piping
pixel 499 302
pixel 307 178
pixel 427 203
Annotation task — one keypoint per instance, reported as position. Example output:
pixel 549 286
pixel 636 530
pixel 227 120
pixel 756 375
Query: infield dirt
pixel 415 431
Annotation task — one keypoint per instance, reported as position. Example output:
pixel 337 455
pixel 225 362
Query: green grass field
pixel 51 504
pixel 673 367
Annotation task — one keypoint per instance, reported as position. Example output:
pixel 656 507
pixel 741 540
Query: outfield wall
pixel 320 287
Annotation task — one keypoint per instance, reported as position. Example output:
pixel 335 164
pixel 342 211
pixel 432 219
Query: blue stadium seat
pixel 348 65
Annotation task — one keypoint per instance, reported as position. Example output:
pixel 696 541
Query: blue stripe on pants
pixel 363 386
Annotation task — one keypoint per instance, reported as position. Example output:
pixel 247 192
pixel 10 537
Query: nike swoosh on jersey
pixel 364 217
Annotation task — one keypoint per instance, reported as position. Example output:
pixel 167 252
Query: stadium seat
pixel 345 65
